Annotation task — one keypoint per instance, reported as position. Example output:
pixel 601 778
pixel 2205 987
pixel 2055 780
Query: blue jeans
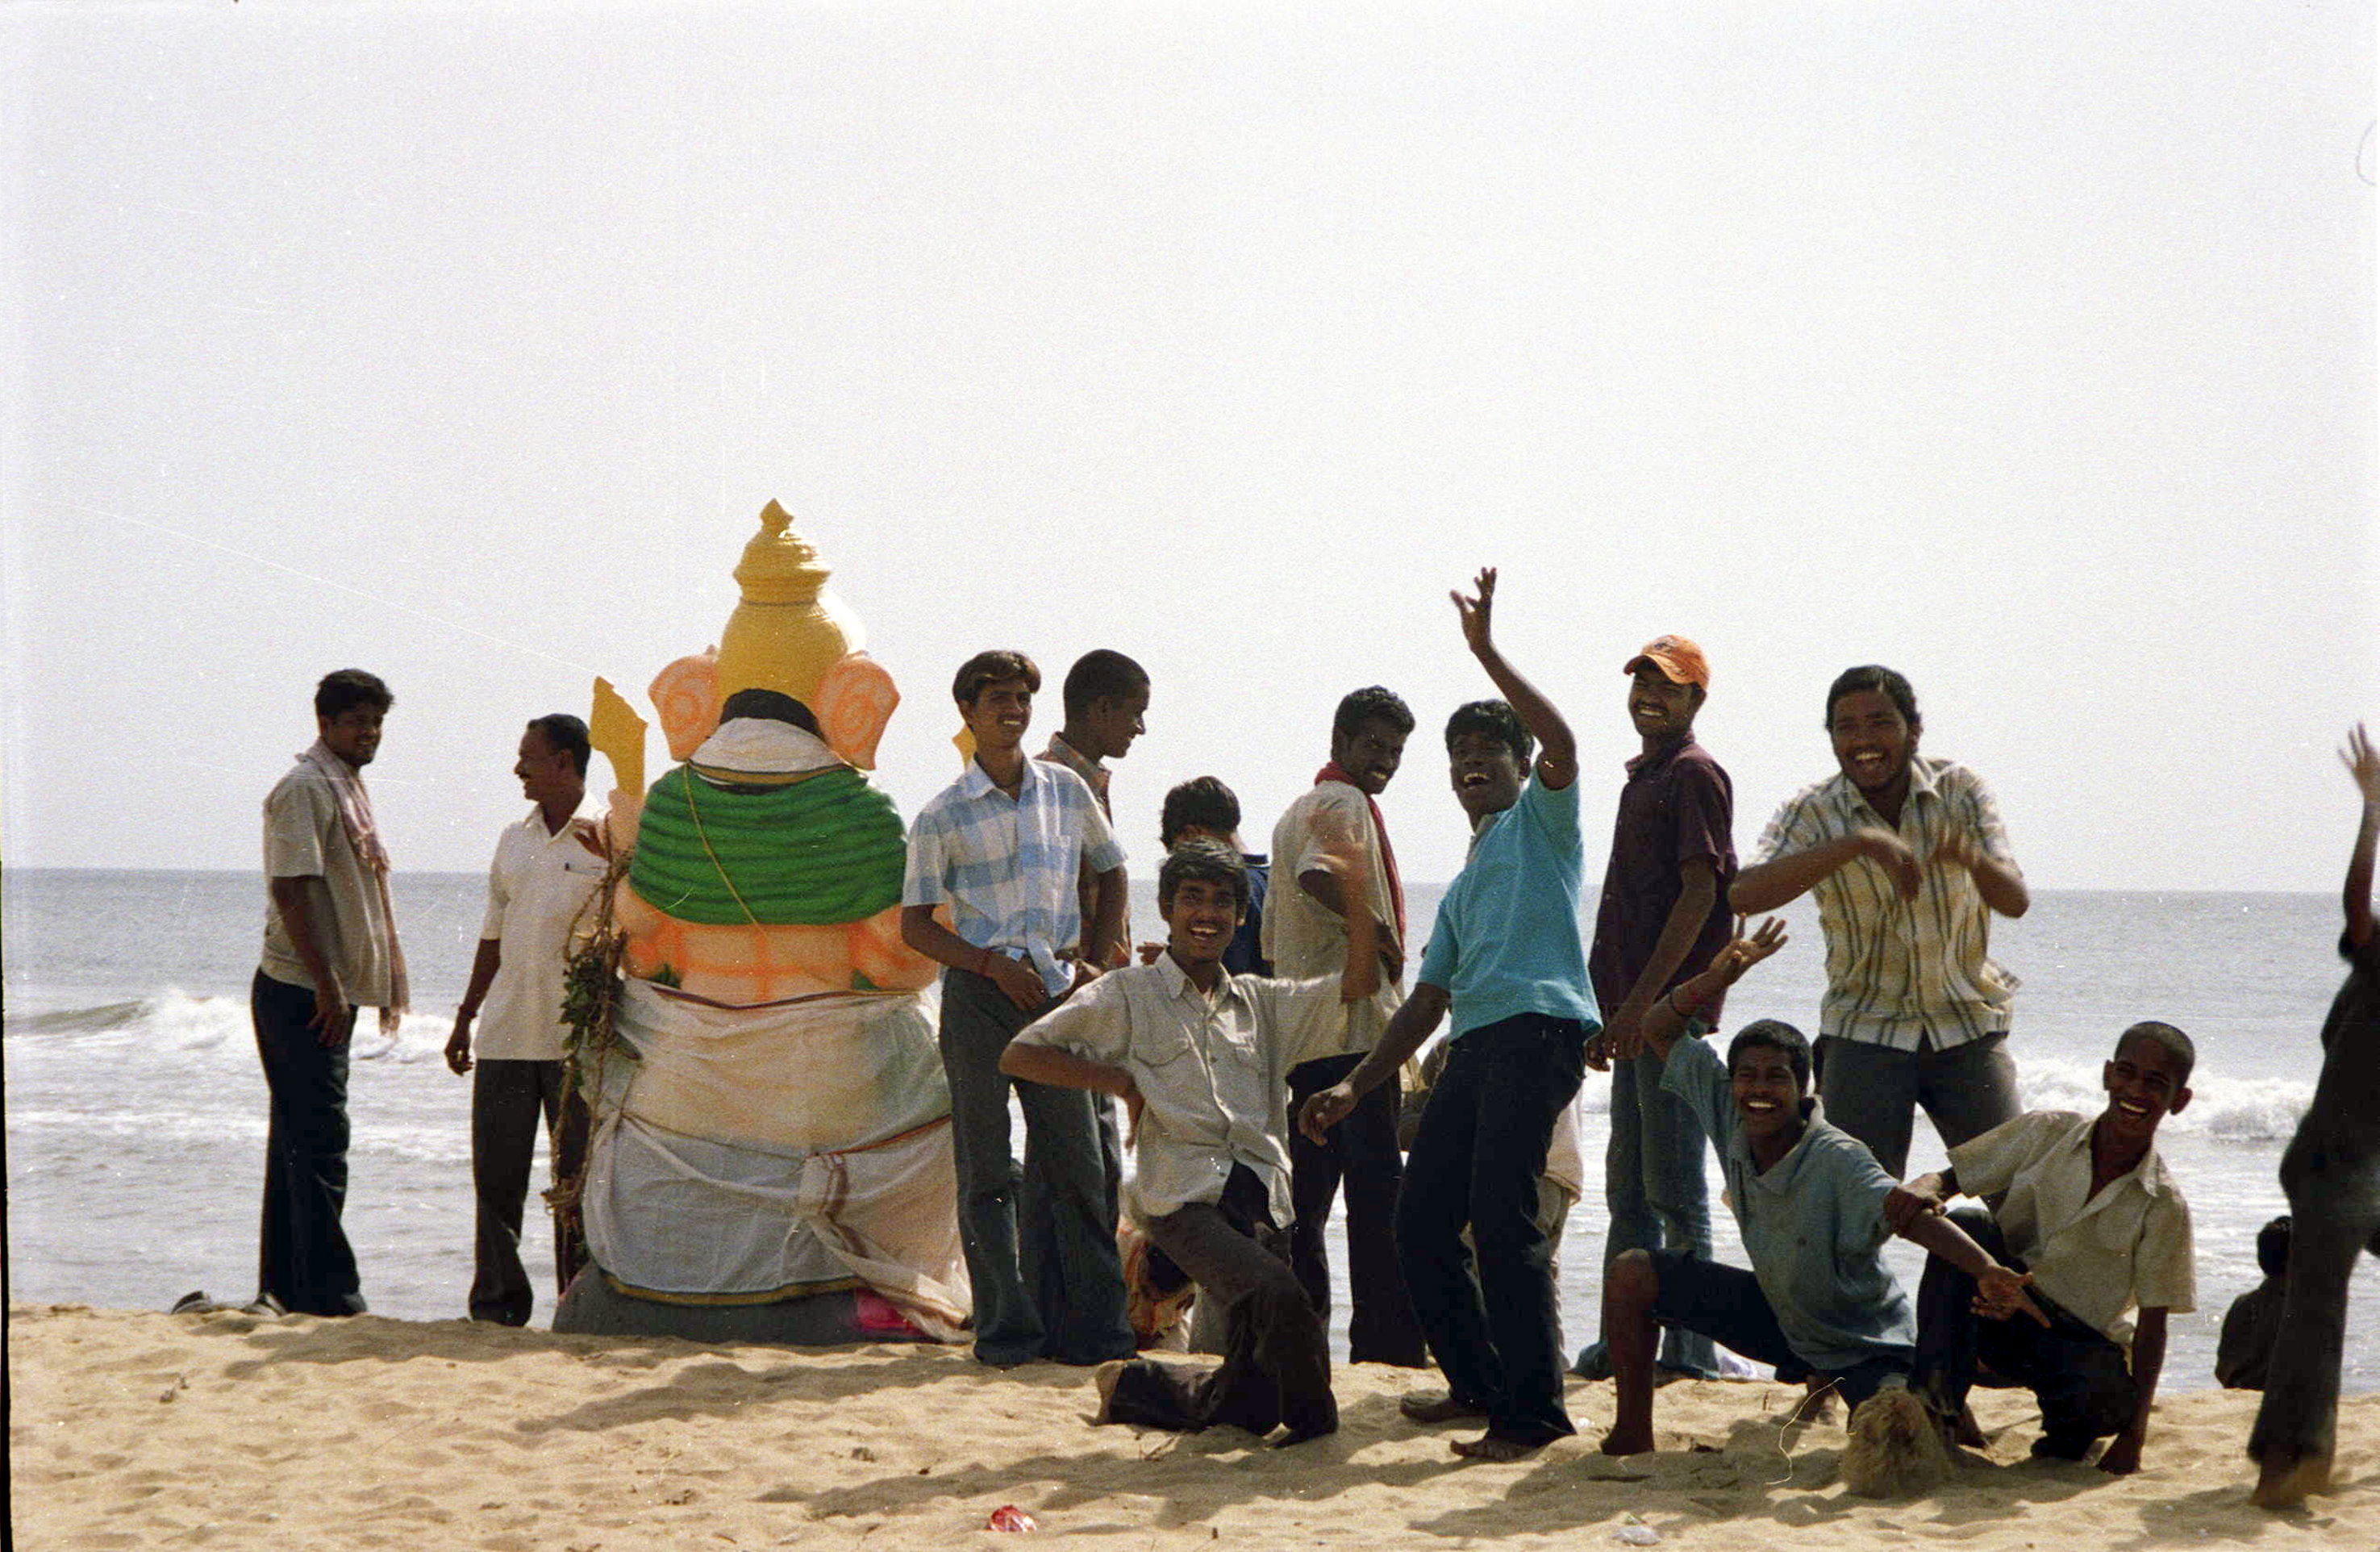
pixel 1053 1285
pixel 1494 1325
pixel 1654 1185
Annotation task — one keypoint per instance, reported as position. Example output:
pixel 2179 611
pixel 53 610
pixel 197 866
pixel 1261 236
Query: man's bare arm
pixel 1063 1069
pixel 1103 937
pixel 1678 934
pixel 484 966
pixel 2001 886
pixel 1768 886
pixel 1557 750
pixel 2362 762
pixel 1408 1028
pixel 1667 1020
pixel 2122 1456
pixel 333 1017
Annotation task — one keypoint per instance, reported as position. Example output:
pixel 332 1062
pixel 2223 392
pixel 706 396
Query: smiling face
pixel 1872 743
pixel 1200 918
pixel 1485 773
pixel 546 773
pixel 1370 753
pixel 1112 722
pixel 1662 709
pixel 999 714
pixel 1767 1094
pixel 2145 1082
pixel 353 734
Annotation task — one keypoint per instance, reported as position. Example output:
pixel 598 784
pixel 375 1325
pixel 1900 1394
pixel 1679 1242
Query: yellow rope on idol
pixel 720 868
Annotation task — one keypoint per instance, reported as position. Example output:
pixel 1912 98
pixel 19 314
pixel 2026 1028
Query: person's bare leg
pixel 1630 1336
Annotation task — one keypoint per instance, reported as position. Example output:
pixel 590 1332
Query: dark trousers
pixel 508 1100
pixel 1360 1155
pixel 1052 1284
pixel 305 1261
pixel 1872 1091
pixel 1276 1364
pixel 2083 1379
pixel 1495 1326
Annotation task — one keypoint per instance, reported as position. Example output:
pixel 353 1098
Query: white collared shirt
pixel 539 885
pixel 1303 937
pixel 1213 1072
pixel 2101 1256
pixel 1897 970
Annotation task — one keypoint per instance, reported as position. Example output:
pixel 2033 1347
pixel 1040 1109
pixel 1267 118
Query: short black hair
pixel 1778 1036
pixel 2272 1247
pixel 346 687
pixel 771 706
pixel 1373 703
pixel 991 667
pixel 1498 720
pixel 2175 1043
pixel 1202 801
pixel 1208 860
pixel 1102 675
pixel 1891 682
pixel 567 734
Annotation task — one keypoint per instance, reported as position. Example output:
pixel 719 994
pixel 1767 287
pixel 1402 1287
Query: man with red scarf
pixel 1305 935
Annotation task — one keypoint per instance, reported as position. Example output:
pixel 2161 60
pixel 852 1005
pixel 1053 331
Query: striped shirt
pixel 1901 970
pixel 1008 866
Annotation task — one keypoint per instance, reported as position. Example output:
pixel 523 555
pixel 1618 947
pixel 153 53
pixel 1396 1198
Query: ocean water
pixel 136 1111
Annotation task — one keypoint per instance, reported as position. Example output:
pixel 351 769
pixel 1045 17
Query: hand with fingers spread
pixel 1477 613
pixel 2362 762
pixel 1744 950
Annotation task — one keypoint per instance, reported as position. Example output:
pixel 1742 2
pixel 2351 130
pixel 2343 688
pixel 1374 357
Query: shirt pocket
pixel 1162 1049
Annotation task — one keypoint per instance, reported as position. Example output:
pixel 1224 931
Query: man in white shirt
pixel 546 871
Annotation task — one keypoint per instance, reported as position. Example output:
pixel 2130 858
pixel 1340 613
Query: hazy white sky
pixel 2027 348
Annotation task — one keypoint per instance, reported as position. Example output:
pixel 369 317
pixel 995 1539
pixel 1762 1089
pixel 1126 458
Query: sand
pixel 231 1431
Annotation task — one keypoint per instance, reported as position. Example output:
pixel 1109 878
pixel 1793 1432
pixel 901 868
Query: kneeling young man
pixel 1810 1201
pixel 1199 1059
pixel 2088 1208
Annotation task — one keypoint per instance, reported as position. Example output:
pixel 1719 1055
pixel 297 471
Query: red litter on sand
pixel 1008 1517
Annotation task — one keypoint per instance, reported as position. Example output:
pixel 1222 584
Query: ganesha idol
pixel 774 1164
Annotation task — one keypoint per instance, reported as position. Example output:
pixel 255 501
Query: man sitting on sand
pixel 2086 1207
pixel 1200 1058
pixel 1505 957
pixel 1809 1200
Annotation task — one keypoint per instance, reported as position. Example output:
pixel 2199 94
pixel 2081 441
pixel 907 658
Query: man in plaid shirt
pixel 1908 858
pixel 1001 847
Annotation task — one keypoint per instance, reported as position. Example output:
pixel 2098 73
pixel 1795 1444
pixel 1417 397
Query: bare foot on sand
pixel 2286 1484
pixel 1618 1443
pixel 1488 1447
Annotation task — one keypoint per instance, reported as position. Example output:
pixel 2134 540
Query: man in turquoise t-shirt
pixel 1505 956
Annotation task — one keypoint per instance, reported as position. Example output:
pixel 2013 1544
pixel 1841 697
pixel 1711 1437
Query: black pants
pixel 1358 1156
pixel 1276 1364
pixel 1495 1326
pixel 508 1100
pixel 2082 1378
pixel 305 1260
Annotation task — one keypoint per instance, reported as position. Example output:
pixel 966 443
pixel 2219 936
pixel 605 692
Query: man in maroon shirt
pixel 1663 916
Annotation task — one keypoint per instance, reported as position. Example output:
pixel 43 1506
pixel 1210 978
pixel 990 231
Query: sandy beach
pixel 132 1429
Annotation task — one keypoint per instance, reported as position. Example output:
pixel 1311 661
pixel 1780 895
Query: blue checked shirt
pixel 1008 866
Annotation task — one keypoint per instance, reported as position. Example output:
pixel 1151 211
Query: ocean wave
pixel 175 1019
pixel 2223 1105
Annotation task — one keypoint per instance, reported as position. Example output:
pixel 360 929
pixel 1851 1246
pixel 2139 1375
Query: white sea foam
pixel 175 1020
pixel 2223 1105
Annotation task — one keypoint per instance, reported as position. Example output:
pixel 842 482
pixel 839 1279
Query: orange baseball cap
pixel 1680 660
